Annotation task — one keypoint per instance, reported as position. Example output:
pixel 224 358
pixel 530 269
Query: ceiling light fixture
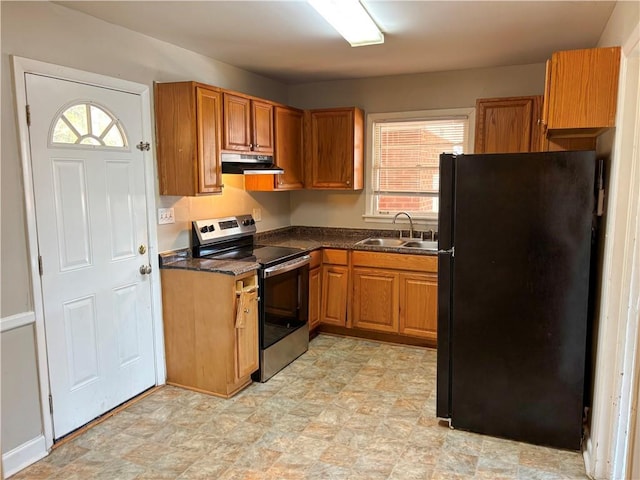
pixel 351 20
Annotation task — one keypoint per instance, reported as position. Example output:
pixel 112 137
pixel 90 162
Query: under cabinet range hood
pixel 249 164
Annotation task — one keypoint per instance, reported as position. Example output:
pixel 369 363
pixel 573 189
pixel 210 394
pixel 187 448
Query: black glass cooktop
pixel 265 256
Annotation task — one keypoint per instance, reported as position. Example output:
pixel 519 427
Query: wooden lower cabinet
pixel 210 329
pixel 395 293
pixel 419 305
pixel 315 296
pixel 385 296
pixel 315 288
pixel 375 300
pixel 335 281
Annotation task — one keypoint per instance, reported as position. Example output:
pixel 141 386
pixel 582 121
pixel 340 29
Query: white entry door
pixel 88 179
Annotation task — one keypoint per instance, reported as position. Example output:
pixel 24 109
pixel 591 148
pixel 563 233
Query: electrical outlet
pixel 165 215
pixel 257 214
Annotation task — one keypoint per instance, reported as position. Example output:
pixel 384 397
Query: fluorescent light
pixel 351 21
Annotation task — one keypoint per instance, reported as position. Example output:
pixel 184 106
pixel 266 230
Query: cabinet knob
pixel 348 182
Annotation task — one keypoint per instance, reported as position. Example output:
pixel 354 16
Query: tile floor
pixel 347 409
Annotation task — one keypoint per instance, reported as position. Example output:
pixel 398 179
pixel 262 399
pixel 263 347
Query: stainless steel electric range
pixel 283 283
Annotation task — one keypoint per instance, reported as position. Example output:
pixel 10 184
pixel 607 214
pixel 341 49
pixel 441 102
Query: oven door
pixel 284 312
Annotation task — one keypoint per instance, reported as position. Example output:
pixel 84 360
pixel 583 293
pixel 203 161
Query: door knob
pixel 145 269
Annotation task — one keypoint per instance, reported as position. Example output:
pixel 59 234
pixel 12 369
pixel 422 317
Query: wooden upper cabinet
pixel 288 153
pixel 508 125
pixel 582 91
pixel 335 148
pixel 262 126
pixel 288 125
pixel 237 122
pixel 248 124
pixel 188 134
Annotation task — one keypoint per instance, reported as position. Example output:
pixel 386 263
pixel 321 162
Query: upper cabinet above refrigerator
pixel 508 125
pixel 581 94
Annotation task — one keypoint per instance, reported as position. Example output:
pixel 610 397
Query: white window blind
pixel 405 162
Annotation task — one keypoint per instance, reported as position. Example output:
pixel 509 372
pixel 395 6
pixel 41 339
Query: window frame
pixel 126 147
pixel 372 118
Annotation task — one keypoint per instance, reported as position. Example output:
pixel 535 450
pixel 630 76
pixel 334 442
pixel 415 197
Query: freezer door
pixel 445 242
pixel 520 281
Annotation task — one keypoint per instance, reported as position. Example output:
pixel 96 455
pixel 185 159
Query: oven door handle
pixel 287 266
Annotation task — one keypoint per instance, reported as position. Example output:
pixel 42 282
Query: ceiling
pixel 290 42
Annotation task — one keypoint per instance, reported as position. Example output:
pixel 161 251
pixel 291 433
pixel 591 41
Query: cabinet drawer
pixel 397 261
pixel 316 258
pixel 336 257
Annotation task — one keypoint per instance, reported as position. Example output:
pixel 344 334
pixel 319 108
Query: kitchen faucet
pixel 410 223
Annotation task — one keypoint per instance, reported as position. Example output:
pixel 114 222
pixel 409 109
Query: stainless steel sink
pixel 397 242
pixel 424 244
pixel 381 242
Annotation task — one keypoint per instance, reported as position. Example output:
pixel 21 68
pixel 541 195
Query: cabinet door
pixel 375 300
pixel 508 125
pixel 583 90
pixel 262 127
pixel 288 148
pixel 419 305
pixel 209 132
pixel 315 296
pixel 188 136
pixel 334 295
pixel 246 330
pixel 335 149
pixel 237 122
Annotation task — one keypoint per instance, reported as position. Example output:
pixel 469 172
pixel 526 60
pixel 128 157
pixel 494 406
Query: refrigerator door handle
pixel 451 250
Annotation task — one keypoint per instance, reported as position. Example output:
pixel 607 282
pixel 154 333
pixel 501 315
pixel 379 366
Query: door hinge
pixel 28 115
pixel 143 146
pixel 40 264
pixel 50 404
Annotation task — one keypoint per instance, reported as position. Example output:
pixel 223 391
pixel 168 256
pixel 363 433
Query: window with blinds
pixel 405 163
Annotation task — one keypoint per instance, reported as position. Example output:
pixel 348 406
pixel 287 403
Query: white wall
pixel 51 33
pixel 427 91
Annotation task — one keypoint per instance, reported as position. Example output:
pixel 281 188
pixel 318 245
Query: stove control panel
pixel 220 229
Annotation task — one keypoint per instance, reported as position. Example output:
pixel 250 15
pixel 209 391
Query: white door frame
pixel 21 66
pixel 615 385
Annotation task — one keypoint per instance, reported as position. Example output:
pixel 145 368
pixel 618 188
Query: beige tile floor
pixel 347 409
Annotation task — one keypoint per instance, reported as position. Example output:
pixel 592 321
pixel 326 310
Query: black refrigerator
pixel 515 242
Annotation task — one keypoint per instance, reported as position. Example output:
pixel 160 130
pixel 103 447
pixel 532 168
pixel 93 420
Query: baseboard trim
pixel 16 321
pixel 23 455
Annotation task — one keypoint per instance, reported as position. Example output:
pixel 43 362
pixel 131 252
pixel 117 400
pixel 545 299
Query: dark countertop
pixel 306 238
pixel 182 259
pixel 311 238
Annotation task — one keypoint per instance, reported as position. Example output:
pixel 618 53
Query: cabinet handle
pixel 348 182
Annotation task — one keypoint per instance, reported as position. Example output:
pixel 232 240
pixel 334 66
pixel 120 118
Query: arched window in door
pixel 88 124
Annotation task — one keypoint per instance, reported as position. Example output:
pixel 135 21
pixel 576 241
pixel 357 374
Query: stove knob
pixel 253 222
pixel 204 229
pixel 246 222
pixel 211 228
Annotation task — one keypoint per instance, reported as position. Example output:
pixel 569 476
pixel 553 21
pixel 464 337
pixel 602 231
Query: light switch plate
pixel 257 214
pixel 165 215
